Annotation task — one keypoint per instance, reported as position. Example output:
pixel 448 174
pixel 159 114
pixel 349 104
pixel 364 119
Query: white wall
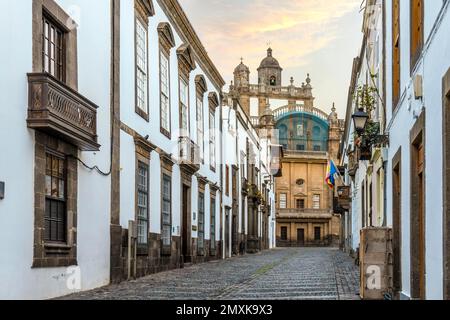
pixel 17 155
pixel 152 128
pixel 433 65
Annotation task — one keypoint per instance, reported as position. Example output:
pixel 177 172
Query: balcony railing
pixel 55 108
pixel 244 185
pixel 282 92
pixel 253 190
pixel 189 153
pixel 307 154
pixel 304 213
pixel 283 111
pixel 353 163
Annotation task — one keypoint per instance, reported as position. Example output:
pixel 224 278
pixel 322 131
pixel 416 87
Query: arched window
pixel 283 132
pixel 316 132
pixel 273 81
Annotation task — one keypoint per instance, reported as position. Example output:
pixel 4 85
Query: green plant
pixel 365 98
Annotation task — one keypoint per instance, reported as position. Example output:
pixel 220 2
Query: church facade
pixel 309 138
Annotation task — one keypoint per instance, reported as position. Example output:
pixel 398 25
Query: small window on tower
pixel 273 81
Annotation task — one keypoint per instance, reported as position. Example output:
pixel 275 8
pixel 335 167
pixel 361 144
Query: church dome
pixel 241 67
pixel 333 115
pixel 269 61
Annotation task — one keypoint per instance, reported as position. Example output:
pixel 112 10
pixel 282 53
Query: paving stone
pixel 279 274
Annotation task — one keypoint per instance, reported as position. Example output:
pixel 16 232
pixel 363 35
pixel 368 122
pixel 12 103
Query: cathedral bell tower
pixel 241 75
pixel 269 72
pixel 241 85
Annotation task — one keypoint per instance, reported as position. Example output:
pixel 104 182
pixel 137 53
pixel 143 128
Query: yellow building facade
pixel 310 139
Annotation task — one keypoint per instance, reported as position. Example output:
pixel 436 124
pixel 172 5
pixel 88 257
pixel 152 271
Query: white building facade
pixel 54 116
pixel 169 142
pixel 249 184
pixel 416 192
pixel 117 163
pixel 366 173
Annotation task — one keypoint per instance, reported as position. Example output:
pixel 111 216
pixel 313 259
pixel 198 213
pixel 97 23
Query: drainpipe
pixel 221 172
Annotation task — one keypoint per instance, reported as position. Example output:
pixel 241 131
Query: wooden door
pixel 397 221
pixel 185 230
pixel 421 218
pixel 234 235
pixel 301 237
pixel 227 233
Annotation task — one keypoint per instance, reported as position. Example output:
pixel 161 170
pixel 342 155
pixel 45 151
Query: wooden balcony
pixel 353 163
pixel 244 186
pixel 189 155
pixel 57 109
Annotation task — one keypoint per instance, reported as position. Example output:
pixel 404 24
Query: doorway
pixel 446 186
pixel 227 233
pixel 186 229
pixel 397 220
pixel 418 263
pixel 234 235
pixel 301 237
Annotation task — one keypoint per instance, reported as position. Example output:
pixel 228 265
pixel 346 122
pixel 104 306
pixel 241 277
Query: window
pixel 317 148
pixel 416 30
pixel 300 203
pixel 273 81
pixel 53 49
pixel 55 199
pixel 316 202
pixel 142 204
pixel 165 93
pixel 283 200
pixel 395 52
pixel 300 147
pixel 200 126
pixel 141 69
pixel 317 234
pixel 167 212
pixel 184 107
pixel 300 130
pixel 201 223
pixel 284 235
pixel 243 165
pixel 212 140
pixel 213 224
pixel 227 180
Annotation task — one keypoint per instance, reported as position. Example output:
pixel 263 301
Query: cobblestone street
pixel 286 274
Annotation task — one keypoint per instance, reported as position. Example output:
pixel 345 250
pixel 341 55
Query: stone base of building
pixel 242 244
pixel 253 245
pixel 152 259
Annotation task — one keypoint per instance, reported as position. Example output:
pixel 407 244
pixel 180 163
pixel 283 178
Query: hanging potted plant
pixel 366 139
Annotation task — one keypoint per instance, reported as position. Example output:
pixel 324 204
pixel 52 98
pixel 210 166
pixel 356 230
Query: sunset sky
pixel 320 37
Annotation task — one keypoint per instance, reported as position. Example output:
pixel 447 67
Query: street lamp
pixel 360 119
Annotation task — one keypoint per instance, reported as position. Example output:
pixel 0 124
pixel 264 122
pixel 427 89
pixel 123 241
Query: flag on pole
pixel 331 172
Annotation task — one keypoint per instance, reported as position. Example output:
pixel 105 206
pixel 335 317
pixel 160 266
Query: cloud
pixel 295 29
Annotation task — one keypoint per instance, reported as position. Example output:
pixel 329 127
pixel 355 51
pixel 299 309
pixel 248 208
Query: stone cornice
pixel 175 13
